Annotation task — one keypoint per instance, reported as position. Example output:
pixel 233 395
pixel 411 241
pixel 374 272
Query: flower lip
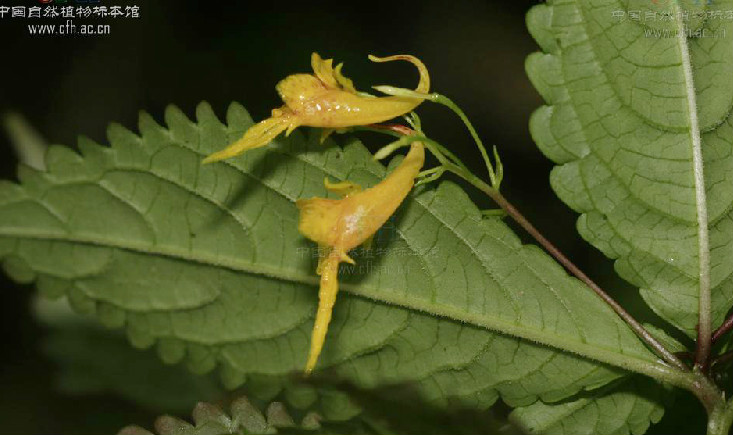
pixel 327 99
pixel 340 225
pixel 346 223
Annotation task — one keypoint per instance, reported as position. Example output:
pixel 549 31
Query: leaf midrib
pixel 703 278
pixel 653 369
pixel 593 352
pixel 704 302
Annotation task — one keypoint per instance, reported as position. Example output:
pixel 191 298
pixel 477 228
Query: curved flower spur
pixel 340 225
pixel 328 100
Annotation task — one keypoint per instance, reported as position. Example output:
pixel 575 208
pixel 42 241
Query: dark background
pixel 185 52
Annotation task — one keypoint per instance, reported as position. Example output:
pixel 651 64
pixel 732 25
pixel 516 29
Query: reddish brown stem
pixel 723 329
pixel 397 128
pixel 643 334
pixel 494 194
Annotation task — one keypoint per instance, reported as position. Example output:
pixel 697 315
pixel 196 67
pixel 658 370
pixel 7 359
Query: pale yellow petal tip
pixel 309 368
pixel 325 133
pixel 345 258
pixel 346 83
pixel 230 151
pixel 219 155
pixel 317 61
pixel 210 159
pixel 256 136
pixel 331 76
pixel 343 188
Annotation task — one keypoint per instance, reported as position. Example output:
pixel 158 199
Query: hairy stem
pixel 723 329
pixel 494 194
pixel 720 419
pixel 442 99
pixel 643 334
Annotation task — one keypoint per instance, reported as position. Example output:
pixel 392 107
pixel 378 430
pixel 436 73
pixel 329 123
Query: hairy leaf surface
pixel 245 418
pixel 627 102
pixel 205 263
pixel 626 407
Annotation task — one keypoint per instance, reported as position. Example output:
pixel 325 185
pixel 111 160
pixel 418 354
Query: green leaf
pixel 93 360
pixel 205 263
pixel 634 114
pixel 246 418
pixel 393 410
pixel 397 409
pixel 625 407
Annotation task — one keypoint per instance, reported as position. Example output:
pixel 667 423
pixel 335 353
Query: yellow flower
pixel 325 99
pixel 339 225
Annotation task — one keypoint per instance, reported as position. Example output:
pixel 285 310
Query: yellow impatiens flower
pixel 326 99
pixel 339 225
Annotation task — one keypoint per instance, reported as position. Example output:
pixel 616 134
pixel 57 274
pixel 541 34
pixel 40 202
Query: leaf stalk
pixel 637 327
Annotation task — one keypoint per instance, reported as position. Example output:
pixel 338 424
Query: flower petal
pixel 343 188
pixel 326 299
pixel 346 83
pixel 323 69
pixel 258 135
pixel 423 86
pixel 298 89
pixel 331 77
pixel 341 225
pixel 317 218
